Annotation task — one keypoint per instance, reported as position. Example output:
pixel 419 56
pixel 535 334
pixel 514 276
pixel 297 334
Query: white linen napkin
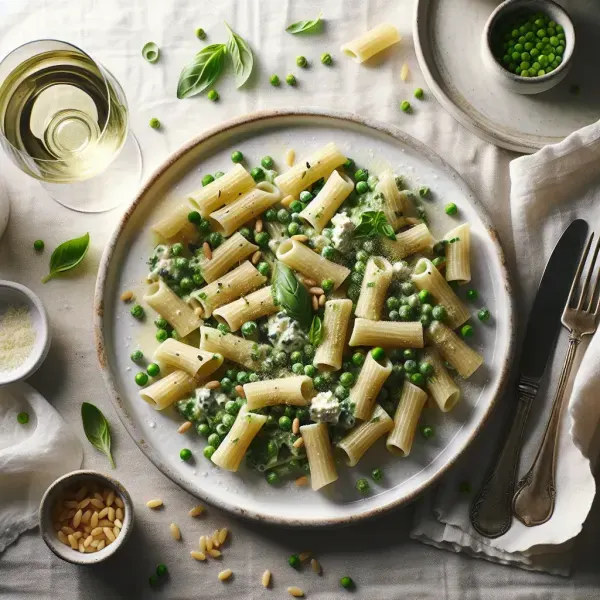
pixel 549 189
pixel 32 456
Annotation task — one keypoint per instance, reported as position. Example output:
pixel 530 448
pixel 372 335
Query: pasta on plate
pixel 304 317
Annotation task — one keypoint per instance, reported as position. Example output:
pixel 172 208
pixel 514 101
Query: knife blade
pixel 544 318
pixel 491 511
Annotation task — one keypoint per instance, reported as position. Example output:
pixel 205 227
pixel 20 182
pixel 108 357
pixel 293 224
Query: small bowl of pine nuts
pixel 85 517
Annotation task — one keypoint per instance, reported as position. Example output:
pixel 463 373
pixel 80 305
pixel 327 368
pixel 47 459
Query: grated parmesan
pixel 17 337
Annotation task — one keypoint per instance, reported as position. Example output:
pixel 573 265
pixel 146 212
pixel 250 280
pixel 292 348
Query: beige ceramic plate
pixel 372 145
pixel 447 37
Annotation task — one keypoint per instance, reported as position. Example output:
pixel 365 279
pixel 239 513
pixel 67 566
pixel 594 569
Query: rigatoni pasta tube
pixel 188 358
pixel 231 252
pixel 458 254
pixel 387 334
pixel 360 439
pixel 169 389
pixel 171 307
pixel 305 172
pixel 413 240
pixel 427 277
pixel 299 257
pixel 372 42
pixel 375 283
pixel 320 210
pixel 293 391
pixel 440 385
pixel 248 308
pixel 320 455
pixel 231 217
pixel 229 287
pixel 241 351
pixel 231 450
pixel 412 401
pixel 370 381
pixel 461 356
pixel 336 319
pixel 395 203
pixel 222 191
pixel 174 222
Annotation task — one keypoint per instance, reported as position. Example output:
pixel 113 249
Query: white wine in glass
pixel 63 120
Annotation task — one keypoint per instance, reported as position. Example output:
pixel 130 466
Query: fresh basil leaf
pixel 67 256
pixel 315 334
pixel 387 231
pixel 305 26
pixel 202 72
pixel 367 226
pixel 291 295
pixel 96 429
pixel 241 57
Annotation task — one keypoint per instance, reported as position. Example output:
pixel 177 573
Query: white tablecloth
pixel 380 557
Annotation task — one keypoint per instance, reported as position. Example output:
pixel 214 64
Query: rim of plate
pixel 479 126
pixel 102 280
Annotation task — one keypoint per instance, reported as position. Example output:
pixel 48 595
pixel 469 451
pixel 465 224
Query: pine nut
pixel 316 291
pixel 96 531
pixel 296 592
pixel 266 578
pixel 101 545
pixel 103 513
pixel 298 443
pixel 73 542
pixel 156 503
pixel 110 499
pixel 77 519
pixel 225 575
pixel 322 300
pixel 215 553
pixel 118 524
pixel 81 504
pixel 81 493
pixel 184 427
pixel 196 511
pixel 316 567
pixel 213 385
pixel 256 257
pixel 88 540
pixel 116 531
pixel 208 543
pixel 127 296
pixel 108 532
pixel 67 530
pixel 202 543
pixel 301 481
pixel 198 311
pixel 198 555
pixel 119 502
pixel 207 250
pixel 94 520
pixel 87 515
pixel 111 513
pixel 81 547
pixel 62 537
pixel 175 531
pixel 258 227
pixel 97 503
pixel 309 282
pixel 223 535
pixel 300 238
pixel 296 426
pixel 315 303
pixel 240 391
pixel 304 556
pixel 290 156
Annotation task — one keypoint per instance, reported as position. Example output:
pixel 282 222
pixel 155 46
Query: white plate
pixel 123 267
pixel 447 37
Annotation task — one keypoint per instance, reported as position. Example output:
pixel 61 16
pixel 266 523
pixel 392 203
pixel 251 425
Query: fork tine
pixel 594 289
pixel 579 269
pixel 586 285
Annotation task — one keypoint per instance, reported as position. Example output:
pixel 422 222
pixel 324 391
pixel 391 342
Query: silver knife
pixel 491 512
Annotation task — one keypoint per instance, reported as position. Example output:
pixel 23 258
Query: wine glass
pixel 64 121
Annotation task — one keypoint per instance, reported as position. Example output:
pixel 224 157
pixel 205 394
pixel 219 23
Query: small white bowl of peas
pixel 527 45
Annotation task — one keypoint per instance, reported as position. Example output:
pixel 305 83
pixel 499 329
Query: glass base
pixel 108 190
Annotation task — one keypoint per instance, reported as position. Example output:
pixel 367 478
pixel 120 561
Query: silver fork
pixel 533 502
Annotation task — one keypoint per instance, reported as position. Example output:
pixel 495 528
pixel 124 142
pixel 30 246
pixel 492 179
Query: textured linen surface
pixel 379 555
pixel 552 187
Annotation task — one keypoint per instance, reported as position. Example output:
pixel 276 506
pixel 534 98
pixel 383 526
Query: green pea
pixel 161 570
pixel 310 370
pixel 410 366
pixel 378 353
pixel 23 418
pixel 185 454
pixel 137 356
pixel 294 561
pixel 361 175
pixel 425 296
pixel 153 370
pixel 283 216
pixel 417 379
pixel 308 351
pixel 362 485
pixel 214 440
pixel 272 477
pixel 467 331
pixel 346 582
pixel 358 359
pixel 362 187
pixel 426 368
pixel 301 62
pixel 249 328
pixel 439 262
pixel 341 392
pixel 305 196
pixel 285 423
pixel 413 301
pixel 228 420
pixel 38 245
pixel 427 432
pixel 405 313
pixel 153 580
pixel 209 451
pixel 267 162
pixel 426 309
pixel 281 359
pixel 360 266
pixel 302 415
pixel 226 384
pixel 263 268
pixel 200 33
pixel 154 123
pixel 298 368
pixel 409 354
pixel 377 474
pixel 439 313
pixel 194 217
pixel 346 379
pixel 483 314
pixel 328 252
pixel 237 156
pixel 242 377
pixel 290 79
pixel 326 59
pixel 472 295
pixel 141 378
pixel 213 95
pixel 137 312
pixel 257 174
pixel 274 80
pixel 405 106
pixel 204 429
pixel 296 357
pixel 262 239
pixel 451 209
pixel 418 93
pixel 223 328
pixel 327 285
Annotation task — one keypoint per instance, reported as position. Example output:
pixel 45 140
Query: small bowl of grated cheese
pixel 24 332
